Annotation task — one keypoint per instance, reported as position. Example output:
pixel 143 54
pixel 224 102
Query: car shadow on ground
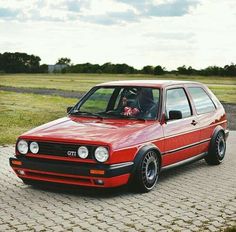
pixel 118 191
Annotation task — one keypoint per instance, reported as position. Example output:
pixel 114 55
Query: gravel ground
pixel 196 197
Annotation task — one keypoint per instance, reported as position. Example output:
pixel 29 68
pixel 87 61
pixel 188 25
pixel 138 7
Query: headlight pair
pixel 101 153
pixel 23 147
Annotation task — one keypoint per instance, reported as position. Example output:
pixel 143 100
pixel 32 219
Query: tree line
pixel 23 63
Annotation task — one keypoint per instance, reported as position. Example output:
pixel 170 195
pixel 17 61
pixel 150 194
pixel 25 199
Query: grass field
pixel 82 82
pixel 20 112
pixel 223 87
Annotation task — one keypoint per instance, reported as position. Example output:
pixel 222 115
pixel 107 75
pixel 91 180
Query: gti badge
pixel 71 153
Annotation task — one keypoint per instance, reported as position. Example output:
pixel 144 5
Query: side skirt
pixel 184 162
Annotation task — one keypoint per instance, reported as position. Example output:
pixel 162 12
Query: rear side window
pixel 176 99
pixel 202 101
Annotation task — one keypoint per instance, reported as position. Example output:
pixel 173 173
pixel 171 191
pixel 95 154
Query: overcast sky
pixel 166 32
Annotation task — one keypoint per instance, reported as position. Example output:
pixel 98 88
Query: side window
pixel 176 99
pixel 201 100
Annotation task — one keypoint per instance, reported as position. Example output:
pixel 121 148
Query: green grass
pixel 225 93
pixel 223 87
pixel 82 82
pixel 20 112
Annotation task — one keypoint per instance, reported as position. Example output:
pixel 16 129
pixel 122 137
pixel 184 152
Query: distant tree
pixel 107 68
pixel 43 68
pixel 24 63
pixel 19 63
pixel 148 69
pixel 182 70
pixel 158 70
pixel 186 71
pixel 230 70
pixel 212 71
pixel 64 60
pixel 123 68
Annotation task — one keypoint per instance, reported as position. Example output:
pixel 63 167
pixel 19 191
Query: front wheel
pixel 217 150
pixel 147 172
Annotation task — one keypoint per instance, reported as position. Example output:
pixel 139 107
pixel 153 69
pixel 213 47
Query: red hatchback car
pixel 125 132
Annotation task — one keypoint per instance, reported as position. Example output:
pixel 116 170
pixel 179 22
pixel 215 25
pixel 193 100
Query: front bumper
pixel 84 174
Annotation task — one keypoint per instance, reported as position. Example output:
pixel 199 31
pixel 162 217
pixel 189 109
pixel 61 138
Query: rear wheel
pixel 217 150
pixel 147 172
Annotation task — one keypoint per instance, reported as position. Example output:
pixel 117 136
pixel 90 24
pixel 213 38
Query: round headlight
pixel 83 152
pixel 22 147
pixel 34 147
pixel 101 154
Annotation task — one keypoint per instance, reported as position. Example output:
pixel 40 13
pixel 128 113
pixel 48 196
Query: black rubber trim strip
pixel 186 147
pixel 73 169
pixel 184 162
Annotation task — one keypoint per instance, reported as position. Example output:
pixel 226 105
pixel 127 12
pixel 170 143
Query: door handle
pixel 194 122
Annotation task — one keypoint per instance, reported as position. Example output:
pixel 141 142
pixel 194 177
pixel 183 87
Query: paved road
pixel 191 198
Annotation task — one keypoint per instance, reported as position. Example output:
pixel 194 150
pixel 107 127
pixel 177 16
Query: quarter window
pixel 177 100
pixel 201 100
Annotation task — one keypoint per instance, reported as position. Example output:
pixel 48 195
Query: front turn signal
pixel 16 162
pixel 97 172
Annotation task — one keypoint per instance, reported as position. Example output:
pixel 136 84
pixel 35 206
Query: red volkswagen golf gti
pixel 125 132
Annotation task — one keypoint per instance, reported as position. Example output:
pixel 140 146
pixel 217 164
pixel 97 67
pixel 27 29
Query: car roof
pixel 147 83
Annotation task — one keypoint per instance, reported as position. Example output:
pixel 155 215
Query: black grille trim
pixel 61 149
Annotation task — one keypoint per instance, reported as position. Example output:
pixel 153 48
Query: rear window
pixel 202 101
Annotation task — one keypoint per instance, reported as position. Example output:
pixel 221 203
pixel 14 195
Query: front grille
pixel 60 149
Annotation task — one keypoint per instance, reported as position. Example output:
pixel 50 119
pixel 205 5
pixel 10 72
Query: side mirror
pixel 175 114
pixel 69 109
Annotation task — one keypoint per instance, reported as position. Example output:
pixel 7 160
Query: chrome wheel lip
pixel 150 170
pixel 221 148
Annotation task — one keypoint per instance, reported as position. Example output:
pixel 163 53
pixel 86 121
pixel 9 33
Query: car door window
pixel 176 99
pixel 202 101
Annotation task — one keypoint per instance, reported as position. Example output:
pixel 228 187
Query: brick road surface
pixel 196 197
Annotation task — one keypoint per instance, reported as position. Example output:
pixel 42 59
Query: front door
pixel 181 136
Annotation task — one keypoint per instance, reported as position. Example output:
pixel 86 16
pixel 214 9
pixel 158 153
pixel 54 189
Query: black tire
pixel 217 149
pixel 147 172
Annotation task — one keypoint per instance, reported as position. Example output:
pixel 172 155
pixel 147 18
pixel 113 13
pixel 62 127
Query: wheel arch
pixel 213 157
pixel 216 131
pixel 214 135
pixel 143 150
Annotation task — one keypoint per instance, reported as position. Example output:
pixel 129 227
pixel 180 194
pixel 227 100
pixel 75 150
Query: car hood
pixel 114 133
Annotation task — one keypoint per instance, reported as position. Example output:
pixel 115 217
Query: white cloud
pixel 200 34
pixel 103 12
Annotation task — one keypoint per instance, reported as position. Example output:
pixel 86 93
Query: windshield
pixel 120 102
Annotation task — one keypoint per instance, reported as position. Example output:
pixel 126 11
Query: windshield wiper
pixel 76 112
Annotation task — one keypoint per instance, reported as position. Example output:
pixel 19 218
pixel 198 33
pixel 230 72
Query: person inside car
pixel 139 104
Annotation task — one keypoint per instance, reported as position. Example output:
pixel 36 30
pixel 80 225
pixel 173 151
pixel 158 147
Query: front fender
pixel 143 150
